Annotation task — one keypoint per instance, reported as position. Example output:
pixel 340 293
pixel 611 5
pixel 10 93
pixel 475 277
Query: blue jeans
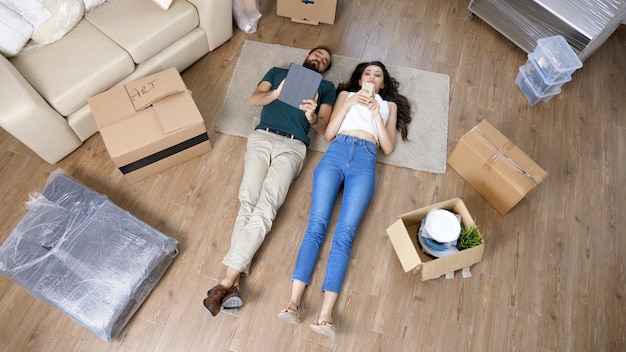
pixel 350 162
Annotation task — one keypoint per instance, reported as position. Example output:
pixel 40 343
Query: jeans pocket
pixel 371 148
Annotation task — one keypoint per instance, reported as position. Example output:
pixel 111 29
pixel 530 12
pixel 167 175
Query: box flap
pixel 131 133
pixel 110 106
pixel 455 205
pixel 403 245
pixel 177 111
pixel 145 91
pixel 441 266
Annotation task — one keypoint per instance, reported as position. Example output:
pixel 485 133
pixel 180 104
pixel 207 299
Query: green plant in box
pixel 469 238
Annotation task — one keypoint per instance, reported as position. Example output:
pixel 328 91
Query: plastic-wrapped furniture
pixel 85 256
pixel 585 24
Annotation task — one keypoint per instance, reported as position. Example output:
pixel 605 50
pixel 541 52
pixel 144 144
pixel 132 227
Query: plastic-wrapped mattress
pixel 85 256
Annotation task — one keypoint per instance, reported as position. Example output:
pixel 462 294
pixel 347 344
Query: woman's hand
pixel 364 98
pixel 361 97
pixel 373 105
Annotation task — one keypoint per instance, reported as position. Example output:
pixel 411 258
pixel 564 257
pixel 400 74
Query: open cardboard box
pixel 150 124
pixel 308 11
pixel 403 235
pixel 495 167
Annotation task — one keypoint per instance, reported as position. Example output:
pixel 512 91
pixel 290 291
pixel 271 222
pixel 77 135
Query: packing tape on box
pixel 153 158
pixel 502 152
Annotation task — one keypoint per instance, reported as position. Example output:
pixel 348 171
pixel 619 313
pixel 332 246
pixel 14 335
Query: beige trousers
pixel 271 163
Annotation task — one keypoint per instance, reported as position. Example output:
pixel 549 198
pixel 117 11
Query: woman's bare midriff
pixel 360 134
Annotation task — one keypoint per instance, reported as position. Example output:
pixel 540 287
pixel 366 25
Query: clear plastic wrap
pixel 85 256
pixel 65 15
pixel 247 14
pixel 524 22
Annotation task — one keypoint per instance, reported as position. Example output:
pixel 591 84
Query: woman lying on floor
pixel 366 115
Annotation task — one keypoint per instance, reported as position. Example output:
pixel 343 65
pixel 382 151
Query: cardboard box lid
pixel 145 91
pixel 119 102
pixel 110 106
pixel 403 236
pixel 175 119
pixel 177 111
pixel 495 167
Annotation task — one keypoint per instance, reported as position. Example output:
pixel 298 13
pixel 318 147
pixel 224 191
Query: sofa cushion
pixel 85 62
pixel 65 15
pixel 142 28
pixel 14 31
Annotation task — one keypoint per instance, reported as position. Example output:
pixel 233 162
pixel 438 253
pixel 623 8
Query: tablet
pixel 301 83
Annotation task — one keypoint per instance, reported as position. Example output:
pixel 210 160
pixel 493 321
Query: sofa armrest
pixel 29 118
pixel 216 18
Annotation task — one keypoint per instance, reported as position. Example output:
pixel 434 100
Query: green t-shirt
pixel 286 118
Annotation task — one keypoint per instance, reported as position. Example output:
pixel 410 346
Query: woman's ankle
pixel 325 317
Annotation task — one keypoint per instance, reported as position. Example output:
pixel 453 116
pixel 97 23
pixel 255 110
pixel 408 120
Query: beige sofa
pixel 44 91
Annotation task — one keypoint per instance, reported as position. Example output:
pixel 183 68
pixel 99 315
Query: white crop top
pixel 359 117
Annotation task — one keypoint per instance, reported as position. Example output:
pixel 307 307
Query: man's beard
pixel 310 64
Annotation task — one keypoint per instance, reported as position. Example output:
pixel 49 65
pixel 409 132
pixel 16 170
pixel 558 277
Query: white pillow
pixel 164 4
pixel 65 15
pixel 33 11
pixel 14 31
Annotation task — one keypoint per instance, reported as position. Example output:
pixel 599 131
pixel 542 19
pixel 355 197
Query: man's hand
pixel 309 106
pixel 263 94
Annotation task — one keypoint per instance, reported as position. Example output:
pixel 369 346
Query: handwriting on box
pixel 138 93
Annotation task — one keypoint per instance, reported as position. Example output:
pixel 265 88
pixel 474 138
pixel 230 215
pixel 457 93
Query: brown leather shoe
pixel 232 299
pixel 213 302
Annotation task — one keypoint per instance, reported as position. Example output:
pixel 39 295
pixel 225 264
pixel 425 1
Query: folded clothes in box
pixel 85 256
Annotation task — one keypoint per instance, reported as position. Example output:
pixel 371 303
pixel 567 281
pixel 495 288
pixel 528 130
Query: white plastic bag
pixel 247 14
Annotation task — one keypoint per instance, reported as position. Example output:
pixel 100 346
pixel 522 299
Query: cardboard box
pixel 308 11
pixel 150 124
pixel 403 235
pixel 496 168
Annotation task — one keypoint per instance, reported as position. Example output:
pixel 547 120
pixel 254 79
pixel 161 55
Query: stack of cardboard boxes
pixel 150 124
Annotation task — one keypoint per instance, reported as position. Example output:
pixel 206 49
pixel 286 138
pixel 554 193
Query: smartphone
pixel 369 87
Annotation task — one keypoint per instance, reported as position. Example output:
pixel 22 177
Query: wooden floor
pixel 553 276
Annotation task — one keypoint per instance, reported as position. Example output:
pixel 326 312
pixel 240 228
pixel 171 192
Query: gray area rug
pixel 428 92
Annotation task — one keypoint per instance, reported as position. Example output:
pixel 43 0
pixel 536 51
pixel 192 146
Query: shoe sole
pixel 232 303
pixel 323 330
pixel 289 318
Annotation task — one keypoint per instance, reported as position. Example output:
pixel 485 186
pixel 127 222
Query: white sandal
pixel 290 315
pixel 324 328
